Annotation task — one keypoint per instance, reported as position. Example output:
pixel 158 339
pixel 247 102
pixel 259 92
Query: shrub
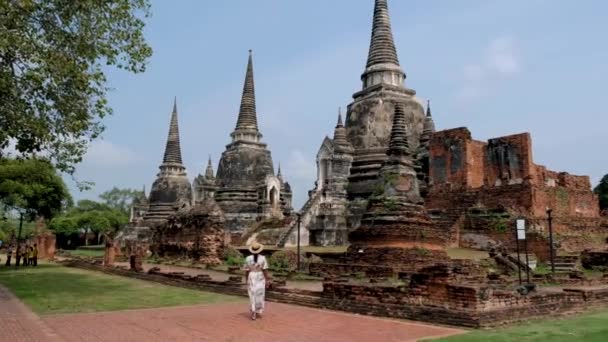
pixel 230 251
pixel 235 261
pixel 283 260
pixel 232 256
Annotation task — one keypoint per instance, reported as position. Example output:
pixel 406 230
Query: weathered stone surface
pixel 171 190
pixel 247 188
pixel 197 234
pixel 368 126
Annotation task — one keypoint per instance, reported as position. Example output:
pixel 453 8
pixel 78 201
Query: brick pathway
pixel 230 322
pixel 19 324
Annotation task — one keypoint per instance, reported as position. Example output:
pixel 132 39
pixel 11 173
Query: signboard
pixel 521 229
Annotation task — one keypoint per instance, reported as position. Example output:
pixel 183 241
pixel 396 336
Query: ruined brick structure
pixel 479 188
pixel 194 234
pixel 45 242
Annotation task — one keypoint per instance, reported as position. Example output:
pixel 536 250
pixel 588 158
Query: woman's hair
pixel 255 258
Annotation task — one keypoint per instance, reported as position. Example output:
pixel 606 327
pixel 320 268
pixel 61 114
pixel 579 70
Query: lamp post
pixel 552 256
pixel 299 216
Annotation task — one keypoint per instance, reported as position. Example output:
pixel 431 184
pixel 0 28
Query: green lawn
pixel 87 253
pixel 592 327
pixel 52 289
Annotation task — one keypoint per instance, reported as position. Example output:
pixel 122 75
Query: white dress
pixel 256 283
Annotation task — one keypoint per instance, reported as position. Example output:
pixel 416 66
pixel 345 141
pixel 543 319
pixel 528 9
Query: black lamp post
pixel 550 219
pixel 299 216
pixel 19 232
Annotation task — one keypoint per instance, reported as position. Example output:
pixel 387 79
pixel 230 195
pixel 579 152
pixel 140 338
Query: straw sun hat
pixel 256 248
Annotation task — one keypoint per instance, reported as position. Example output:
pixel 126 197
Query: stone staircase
pixel 305 212
pixel 532 261
pixel 565 263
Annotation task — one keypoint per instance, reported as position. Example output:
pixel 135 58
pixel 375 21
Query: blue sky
pixel 497 67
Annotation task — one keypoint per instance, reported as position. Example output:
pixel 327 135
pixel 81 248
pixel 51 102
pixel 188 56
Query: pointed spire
pixel 398 145
pixel 209 171
pixel 382 47
pixel 429 124
pixel 173 153
pixel 340 118
pixel 143 190
pixel 247 114
pixel 341 143
pixel 279 174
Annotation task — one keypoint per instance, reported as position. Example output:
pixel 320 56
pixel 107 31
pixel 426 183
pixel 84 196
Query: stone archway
pixel 274 197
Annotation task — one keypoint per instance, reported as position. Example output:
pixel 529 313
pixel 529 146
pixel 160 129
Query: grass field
pixel 52 289
pixel 87 253
pixel 592 327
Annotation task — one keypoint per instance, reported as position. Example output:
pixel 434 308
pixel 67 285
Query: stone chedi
pixel 422 154
pixel 139 208
pixel 333 164
pixel 353 172
pixel 369 117
pixel 395 225
pixel 247 188
pixel 204 184
pixel 171 190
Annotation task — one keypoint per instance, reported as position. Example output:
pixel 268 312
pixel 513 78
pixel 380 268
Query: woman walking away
pixel 256 269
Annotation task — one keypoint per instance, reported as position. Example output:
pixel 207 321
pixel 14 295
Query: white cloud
pixel 500 59
pixel 301 168
pixel 103 153
pixel 502 56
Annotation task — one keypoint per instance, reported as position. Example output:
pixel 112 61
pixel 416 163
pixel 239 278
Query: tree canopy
pixel 120 199
pixel 602 191
pixel 32 185
pixel 89 216
pixel 54 55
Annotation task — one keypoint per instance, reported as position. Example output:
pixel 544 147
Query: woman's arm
pixel 267 277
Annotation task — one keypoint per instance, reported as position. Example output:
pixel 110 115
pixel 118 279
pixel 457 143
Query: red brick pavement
pixel 19 324
pixel 230 322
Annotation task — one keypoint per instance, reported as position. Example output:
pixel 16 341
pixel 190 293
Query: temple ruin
pixel 449 187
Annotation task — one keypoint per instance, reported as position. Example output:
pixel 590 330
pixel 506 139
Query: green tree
pixel 54 55
pixel 32 185
pixel 120 199
pixel 602 191
pixel 90 217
